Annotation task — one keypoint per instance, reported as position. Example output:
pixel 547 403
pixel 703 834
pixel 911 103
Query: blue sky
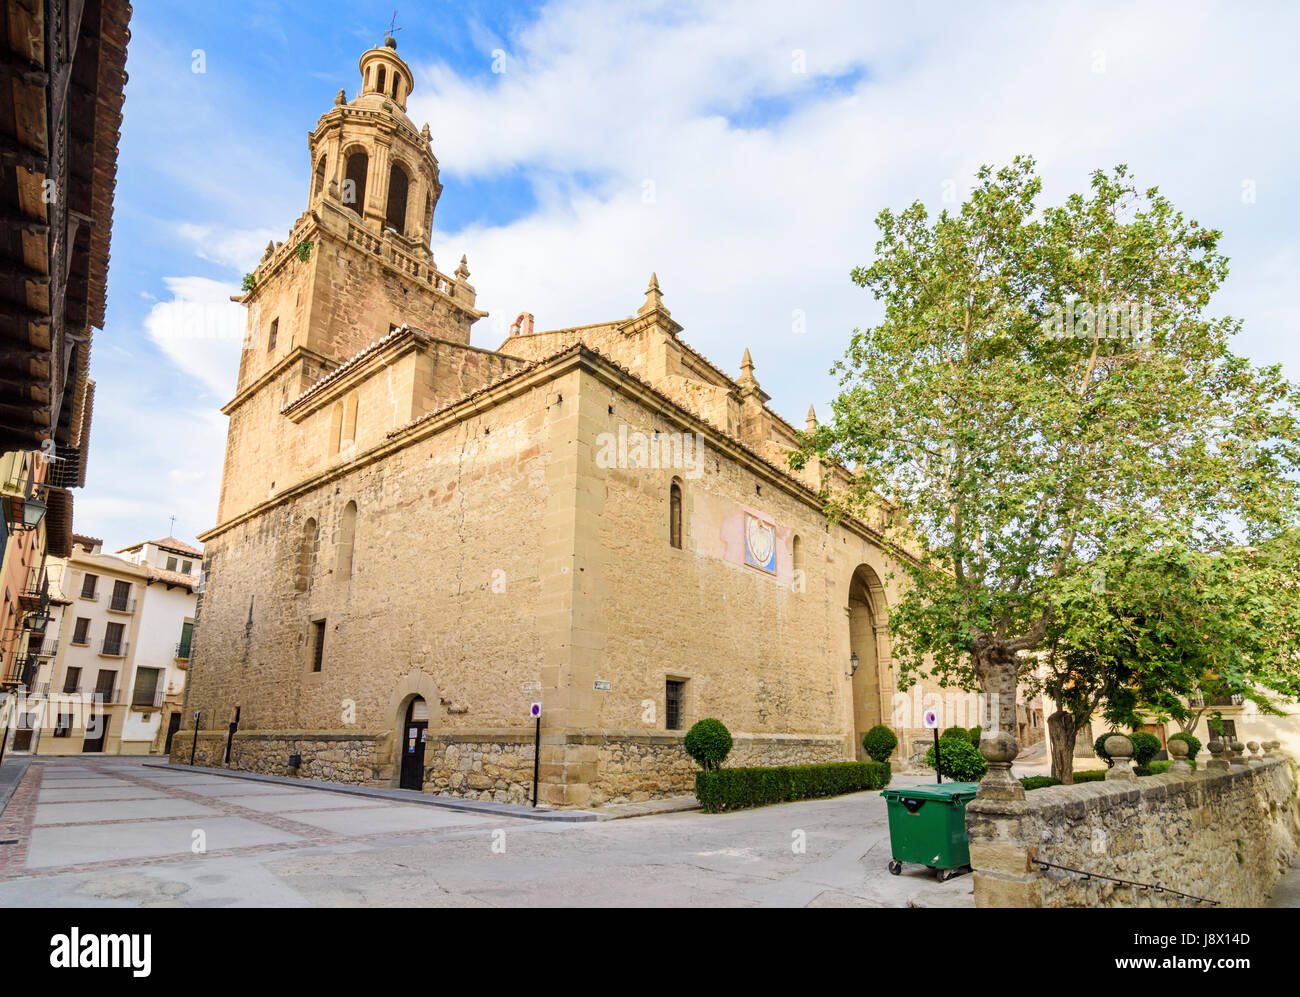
pixel 740 150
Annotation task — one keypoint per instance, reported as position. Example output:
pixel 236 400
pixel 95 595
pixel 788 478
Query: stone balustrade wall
pixel 1221 834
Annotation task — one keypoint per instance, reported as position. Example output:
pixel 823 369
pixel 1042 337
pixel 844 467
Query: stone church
pixel 417 538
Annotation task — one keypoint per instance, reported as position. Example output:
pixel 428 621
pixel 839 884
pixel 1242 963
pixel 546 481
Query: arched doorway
pixel 866 622
pixel 415 732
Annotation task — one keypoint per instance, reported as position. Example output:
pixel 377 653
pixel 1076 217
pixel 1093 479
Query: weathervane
pixel 392 28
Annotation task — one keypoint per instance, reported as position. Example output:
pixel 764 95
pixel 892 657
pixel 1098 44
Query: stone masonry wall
pixel 1221 835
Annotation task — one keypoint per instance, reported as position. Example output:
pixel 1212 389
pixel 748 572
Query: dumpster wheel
pixel 946 874
pixel 895 867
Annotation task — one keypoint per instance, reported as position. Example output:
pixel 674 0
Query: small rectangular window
pixel 275 331
pixel 71 677
pixel 63 726
pixel 673 700
pixel 317 645
pixel 88 584
pixel 185 567
pixel 81 631
pixel 171 564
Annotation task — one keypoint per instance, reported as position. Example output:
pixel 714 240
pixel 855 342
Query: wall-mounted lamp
pixel 853 664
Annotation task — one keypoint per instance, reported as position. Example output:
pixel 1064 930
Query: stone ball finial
pixel 999 747
pixel 1253 746
pixel 1215 747
pixel 1119 746
pixel 1178 750
pixel 390 42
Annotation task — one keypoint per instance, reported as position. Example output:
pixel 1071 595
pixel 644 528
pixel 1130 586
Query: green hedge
pixel 1089 775
pixel 1038 782
pixel 735 789
pixel 1158 767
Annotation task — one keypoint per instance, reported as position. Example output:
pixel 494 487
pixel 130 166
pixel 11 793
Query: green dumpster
pixel 927 825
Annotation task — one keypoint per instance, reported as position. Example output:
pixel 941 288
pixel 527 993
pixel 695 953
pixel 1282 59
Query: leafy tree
pixel 1155 626
pixel 1017 439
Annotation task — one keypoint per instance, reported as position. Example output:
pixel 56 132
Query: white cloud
pixel 749 224
pixel 201 331
pixel 238 249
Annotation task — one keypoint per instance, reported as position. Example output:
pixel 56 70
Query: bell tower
pixel 355 265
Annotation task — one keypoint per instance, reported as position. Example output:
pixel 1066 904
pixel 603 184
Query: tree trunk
pixel 997 669
pixel 1062 728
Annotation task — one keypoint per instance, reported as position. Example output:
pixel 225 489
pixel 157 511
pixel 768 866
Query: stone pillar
pixel 1178 749
pixel 1120 749
pixel 999 749
pixel 1254 758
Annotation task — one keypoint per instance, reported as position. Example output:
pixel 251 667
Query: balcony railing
pixel 183 650
pixel 148 698
pixel 110 648
pixel 122 605
pixel 36 595
pixel 1196 702
pixel 49 648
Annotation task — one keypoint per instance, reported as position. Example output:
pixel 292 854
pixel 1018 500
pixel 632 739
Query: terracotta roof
pixel 87 541
pixel 166 543
pixel 170 578
pixel 347 364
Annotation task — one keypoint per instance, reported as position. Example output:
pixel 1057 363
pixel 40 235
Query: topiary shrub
pixel 1038 782
pixel 879 743
pixel 957 759
pixel 1193 744
pixel 1100 747
pixel 709 743
pixel 960 732
pixel 1145 747
pixel 975 734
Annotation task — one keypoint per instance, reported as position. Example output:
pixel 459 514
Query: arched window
pixel 675 515
pixel 796 562
pixel 354 183
pixel 307 555
pixel 380 86
pixel 347 539
pixel 398 183
pixel 319 183
pixel 428 213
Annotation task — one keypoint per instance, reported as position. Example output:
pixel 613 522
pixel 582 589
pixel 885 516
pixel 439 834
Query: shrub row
pixel 735 789
pixel 1038 782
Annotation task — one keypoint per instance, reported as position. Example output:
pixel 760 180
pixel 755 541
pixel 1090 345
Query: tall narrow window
pixel 81 631
pixel 88 583
pixel 347 538
pixel 306 555
pixel 675 515
pixel 317 645
pixel 319 184
pixel 381 80
pixel 349 434
pixel 271 337
pixel 398 184
pixel 797 583
pixel 336 427
pixel 674 699
pixel 354 183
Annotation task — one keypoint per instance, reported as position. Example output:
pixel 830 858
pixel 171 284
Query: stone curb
pixel 14 770
pixel 395 795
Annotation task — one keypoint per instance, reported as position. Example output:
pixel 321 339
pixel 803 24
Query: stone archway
pixel 868 620
pixel 416 685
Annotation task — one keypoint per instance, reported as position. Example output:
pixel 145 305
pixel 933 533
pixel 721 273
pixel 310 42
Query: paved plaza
pixel 116 832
